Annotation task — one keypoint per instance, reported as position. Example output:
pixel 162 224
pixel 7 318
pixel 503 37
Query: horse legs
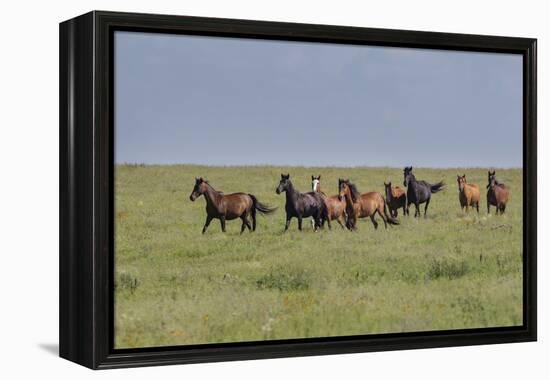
pixel 374 222
pixel 300 222
pixel 417 209
pixel 253 216
pixel 477 207
pixel 329 217
pixel 207 223
pixel 426 207
pixel 288 217
pixel 243 225
pixel 341 220
pixel 246 223
pixel 222 222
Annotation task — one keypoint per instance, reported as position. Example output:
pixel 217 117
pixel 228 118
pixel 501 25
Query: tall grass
pixel 175 286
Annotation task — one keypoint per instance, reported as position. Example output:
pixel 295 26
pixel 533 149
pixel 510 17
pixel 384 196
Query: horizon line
pixel 143 164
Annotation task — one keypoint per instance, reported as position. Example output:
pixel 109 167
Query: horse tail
pixel 261 207
pixel 391 220
pixel 437 187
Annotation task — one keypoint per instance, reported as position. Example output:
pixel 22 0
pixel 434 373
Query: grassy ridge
pixel 176 286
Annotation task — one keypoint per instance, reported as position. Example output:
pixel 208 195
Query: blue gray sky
pixel 226 101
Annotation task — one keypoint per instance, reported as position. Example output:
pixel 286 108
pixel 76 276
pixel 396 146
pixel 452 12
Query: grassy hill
pixel 176 286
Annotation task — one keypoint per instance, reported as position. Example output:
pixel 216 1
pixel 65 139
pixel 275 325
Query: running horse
pixel 361 205
pixel 468 193
pixel 497 193
pixel 396 198
pixel 301 205
pixel 228 207
pixel 336 207
pixel 419 192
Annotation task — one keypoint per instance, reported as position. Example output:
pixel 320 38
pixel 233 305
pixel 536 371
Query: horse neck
pixel 389 194
pixel 291 192
pixel 349 198
pixel 211 195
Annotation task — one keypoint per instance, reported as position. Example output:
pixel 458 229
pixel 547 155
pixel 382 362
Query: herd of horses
pixel 348 205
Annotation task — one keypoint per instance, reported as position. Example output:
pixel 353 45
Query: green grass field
pixel 175 286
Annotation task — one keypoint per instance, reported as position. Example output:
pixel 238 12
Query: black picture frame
pixel 86 189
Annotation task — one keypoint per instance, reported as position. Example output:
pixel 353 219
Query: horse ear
pixel 312 178
pixel 319 176
pixel 411 168
pixel 464 176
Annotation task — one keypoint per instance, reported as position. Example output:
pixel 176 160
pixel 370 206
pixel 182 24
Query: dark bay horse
pixel 468 193
pixel 497 193
pixel 396 198
pixel 361 205
pixel 228 207
pixel 336 207
pixel 419 192
pixel 301 205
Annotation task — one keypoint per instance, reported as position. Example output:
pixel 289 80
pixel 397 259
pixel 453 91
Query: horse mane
pixel 354 192
pixel 212 187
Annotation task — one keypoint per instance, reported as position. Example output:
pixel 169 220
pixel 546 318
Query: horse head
pixel 199 188
pixel 316 183
pixel 491 179
pixel 461 180
pixel 346 188
pixel 407 175
pixel 283 184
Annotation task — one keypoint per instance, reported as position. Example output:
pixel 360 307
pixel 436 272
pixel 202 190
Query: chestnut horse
pixel 362 205
pixel 336 208
pixel 396 198
pixel 228 207
pixel 497 194
pixel 468 193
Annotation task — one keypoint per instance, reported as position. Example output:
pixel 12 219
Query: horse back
pixel 370 202
pixel 501 193
pixel 234 205
pixel 419 191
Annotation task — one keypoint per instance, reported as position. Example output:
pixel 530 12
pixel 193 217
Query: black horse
pixel 419 192
pixel 301 205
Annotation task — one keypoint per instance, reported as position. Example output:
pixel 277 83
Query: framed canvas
pixel 234 189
